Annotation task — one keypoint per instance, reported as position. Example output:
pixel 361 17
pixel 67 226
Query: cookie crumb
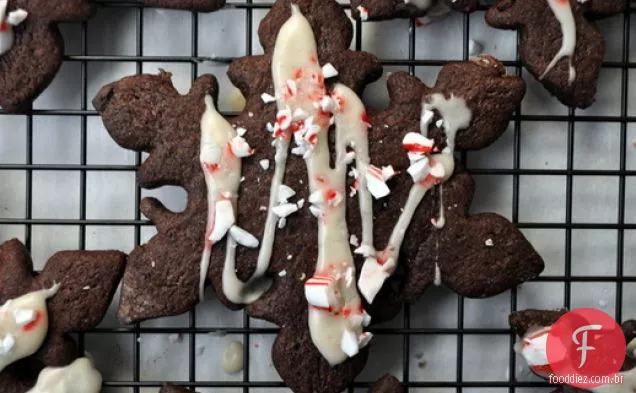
pixel 422 363
pixel 87 288
pixel 153 264
pixel 250 114
pixel 302 276
pixel 489 242
pixel 262 208
pixel 289 257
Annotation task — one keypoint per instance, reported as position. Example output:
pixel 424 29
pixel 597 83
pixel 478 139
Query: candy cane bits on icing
pixel 7 22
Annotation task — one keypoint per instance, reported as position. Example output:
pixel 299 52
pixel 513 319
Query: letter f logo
pixel 583 344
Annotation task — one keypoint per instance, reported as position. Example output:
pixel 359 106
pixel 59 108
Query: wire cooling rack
pixel 564 176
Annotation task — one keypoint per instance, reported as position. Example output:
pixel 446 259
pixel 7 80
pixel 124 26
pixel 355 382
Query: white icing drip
pixel 19 336
pixel 78 377
pixel 7 22
pixel 222 169
pixel 437 280
pixel 337 330
pixel 441 219
pixel 563 12
pixel 456 116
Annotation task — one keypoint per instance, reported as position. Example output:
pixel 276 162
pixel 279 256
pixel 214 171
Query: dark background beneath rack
pixel 619 224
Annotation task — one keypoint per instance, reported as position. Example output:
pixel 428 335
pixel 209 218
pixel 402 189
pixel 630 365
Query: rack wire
pixel 619 224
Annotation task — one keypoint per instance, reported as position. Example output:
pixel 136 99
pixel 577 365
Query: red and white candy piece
pixel 419 169
pixel 210 155
pixel 376 181
pixel 533 349
pixel 240 147
pixel 373 275
pixel 320 291
pixel 224 219
pixel 24 316
pixel 284 118
pixel 414 142
pixel 14 18
pixel 364 13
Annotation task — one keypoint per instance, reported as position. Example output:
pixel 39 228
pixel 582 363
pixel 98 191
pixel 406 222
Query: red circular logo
pixel 585 345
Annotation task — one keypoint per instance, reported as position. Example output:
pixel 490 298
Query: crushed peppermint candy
pixel 264 163
pixel 364 13
pixel 300 203
pixel 489 243
pixel 240 147
pixel 353 240
pixel 23 317
pixel 439 123
pixel 284 193
pixel 285 209
pixel 268 98
pixel 282 222
pixel 289 257
pixel 87 288
pixel 282 273
pixel 241 131
pixel 7 344
pixel 376 182
pixel 329 71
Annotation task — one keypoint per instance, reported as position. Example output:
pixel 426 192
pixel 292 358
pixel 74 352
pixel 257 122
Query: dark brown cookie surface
pixel 478 255
pixel 390 9
pixel 36 54
pixel 544 36
pixel 87 282
pixel 146 113
pixel 192 5
pixel 387 384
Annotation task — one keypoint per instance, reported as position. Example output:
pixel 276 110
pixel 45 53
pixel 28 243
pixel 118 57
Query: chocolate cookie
pixel 530 325
pixel 31 46
pixel 386 384
pixel 192 5
pixel 560 44
pixel 72 293
pixel 390 9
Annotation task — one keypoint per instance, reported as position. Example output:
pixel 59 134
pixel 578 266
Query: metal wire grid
pixel 406 332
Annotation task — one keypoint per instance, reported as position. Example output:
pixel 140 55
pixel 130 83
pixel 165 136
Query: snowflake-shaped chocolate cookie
pixel 31 46
pixel 37 311
pixel 560 43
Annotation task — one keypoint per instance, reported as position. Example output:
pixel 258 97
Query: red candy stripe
pixel 33 324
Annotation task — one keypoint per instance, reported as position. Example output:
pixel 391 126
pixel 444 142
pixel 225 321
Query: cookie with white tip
pixel 560 44
pixel 37 311
pixel 190 5
pixel 31 46
pixel 423 233
pixel 427 10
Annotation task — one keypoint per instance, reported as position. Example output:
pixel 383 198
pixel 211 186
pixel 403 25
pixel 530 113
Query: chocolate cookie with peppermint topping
pixel 37 311
pixel 560 44
pixel 31 46
pixel 428 10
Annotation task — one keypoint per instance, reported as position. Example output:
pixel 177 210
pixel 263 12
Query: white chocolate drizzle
pixel 221 152
pixel 563 12
pixel 78 377
pixel 427 170
pixel 7 22
pixel 336 314
pixel 24 324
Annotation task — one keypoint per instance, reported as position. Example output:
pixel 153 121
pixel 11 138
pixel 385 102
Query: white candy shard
pixel 388 172
pixel 268 98
pixel 299 114
pixel 23 317
pixel 329 71
pixel 328 104
pixel 16 17
pixel 365 250
pixel 353 240
pixel 489 243
pixel 284 193
pixel 350 275
pixel 439 123
pixel 240 147
pixel 284 118
pixel 7 344
pixel 364 339
pixel 349 157
pixel 376 182
pixel 243 237
pixel 282 273
pixel 419 169
pixel 438 170
pixel 299 151
pixel 241 131
pixel 316 211
pixel 316 197
pixel 285 209
pixel 223 220
pixel 281 223
pixel 349 343
pixel 372 277
pixel 320 291
pixel 366 319
pixel 300 203
pixel 264 163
